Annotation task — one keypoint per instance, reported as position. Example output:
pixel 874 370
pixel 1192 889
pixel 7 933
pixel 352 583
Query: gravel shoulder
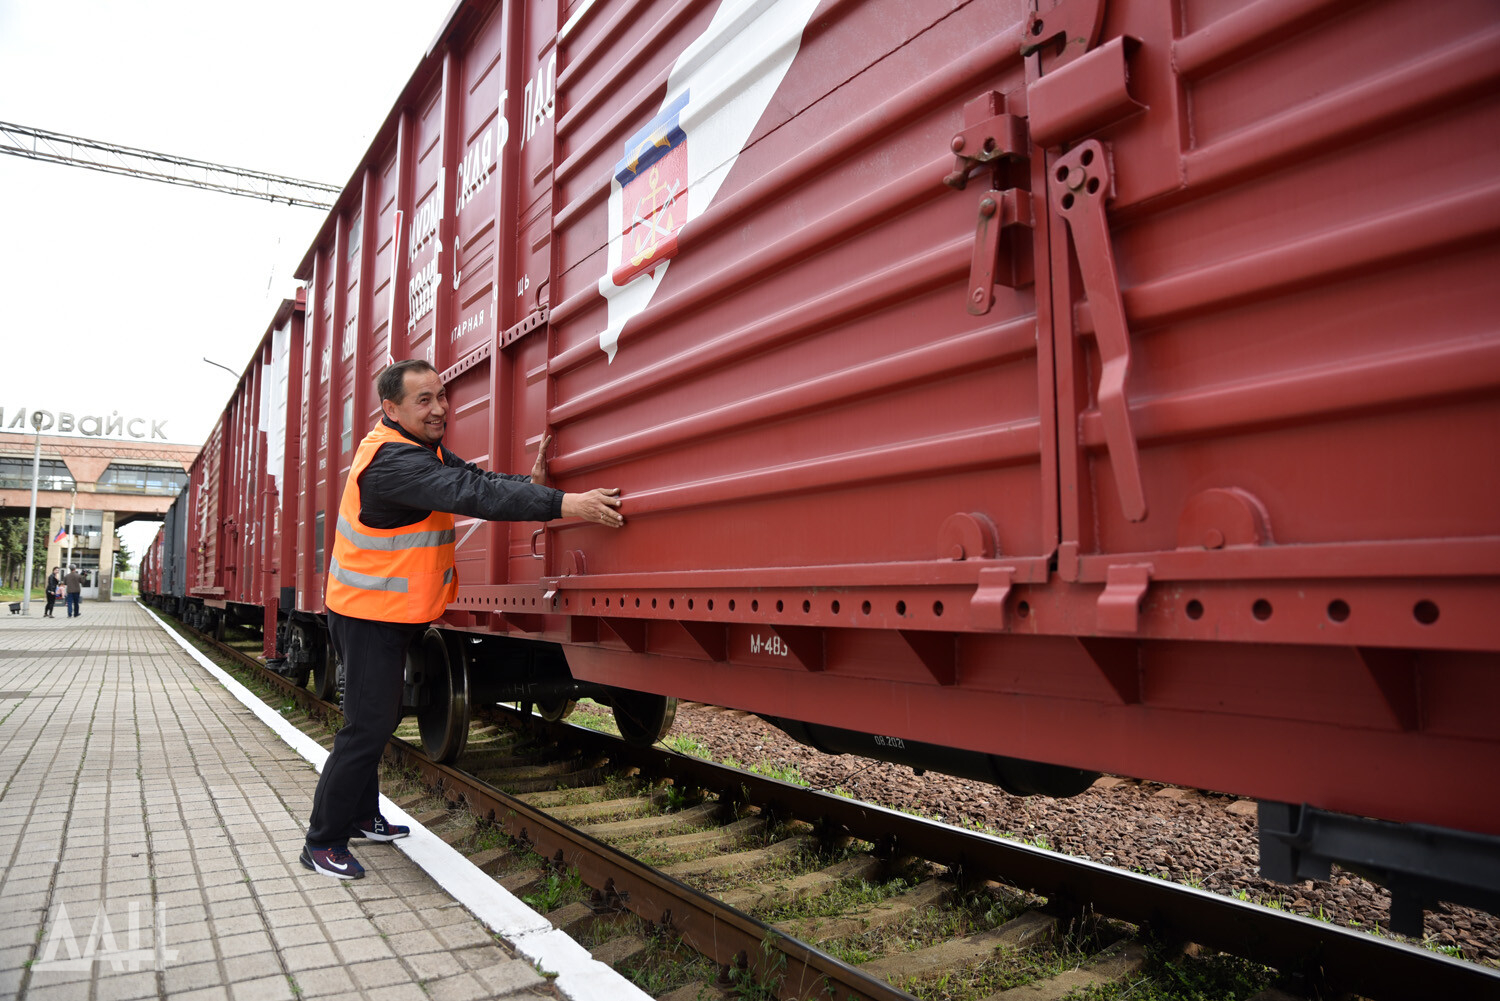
pixel 1202 839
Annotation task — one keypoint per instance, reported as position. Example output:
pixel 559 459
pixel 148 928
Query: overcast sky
pixel 113 289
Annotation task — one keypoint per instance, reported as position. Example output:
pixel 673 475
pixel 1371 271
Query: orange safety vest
pixel 389 574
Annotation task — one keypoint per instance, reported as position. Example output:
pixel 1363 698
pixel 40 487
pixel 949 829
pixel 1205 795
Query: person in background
pixel 53 586
pixel 74 583
pixel 392 573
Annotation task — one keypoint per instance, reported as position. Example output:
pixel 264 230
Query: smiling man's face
pixel 423 411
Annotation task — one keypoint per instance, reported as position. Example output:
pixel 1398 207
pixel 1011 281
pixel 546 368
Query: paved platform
pixel 150 825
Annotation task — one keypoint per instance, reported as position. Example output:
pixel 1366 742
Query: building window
pixel 162 481
pixel 15 474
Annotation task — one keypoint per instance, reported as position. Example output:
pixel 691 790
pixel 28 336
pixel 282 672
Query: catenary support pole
pixel 36 474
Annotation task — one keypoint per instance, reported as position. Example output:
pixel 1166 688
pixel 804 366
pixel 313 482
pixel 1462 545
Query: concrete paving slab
pixel 148 848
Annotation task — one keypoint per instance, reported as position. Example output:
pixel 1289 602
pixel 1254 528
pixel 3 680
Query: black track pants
pixel 374 656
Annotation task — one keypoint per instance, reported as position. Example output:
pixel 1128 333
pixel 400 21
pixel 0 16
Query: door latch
pixel 1001 244
pixel 997 141
pixel 991 138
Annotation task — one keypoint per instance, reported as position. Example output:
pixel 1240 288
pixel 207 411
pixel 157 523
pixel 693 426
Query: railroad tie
pixel 1017 933
pixel 1115 963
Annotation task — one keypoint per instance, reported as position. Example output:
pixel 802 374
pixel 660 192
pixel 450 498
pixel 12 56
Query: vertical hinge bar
pixel 1081 184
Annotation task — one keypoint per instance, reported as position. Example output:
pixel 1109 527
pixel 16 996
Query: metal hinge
pixel 1063 33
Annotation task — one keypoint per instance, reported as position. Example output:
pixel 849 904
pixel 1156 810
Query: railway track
pixel 638 849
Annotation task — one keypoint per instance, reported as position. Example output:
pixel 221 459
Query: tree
pixel 13 552
pixel 123 557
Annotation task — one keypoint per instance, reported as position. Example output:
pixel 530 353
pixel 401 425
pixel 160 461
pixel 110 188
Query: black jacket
pixel 401 486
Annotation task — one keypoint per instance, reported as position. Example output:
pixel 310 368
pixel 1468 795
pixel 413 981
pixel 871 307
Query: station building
pixel 89 487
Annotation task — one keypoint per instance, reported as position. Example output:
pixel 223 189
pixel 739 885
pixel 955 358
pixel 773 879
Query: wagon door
pixel 1272 267
pixel 792 323
pixel 476 270
pixel 522 333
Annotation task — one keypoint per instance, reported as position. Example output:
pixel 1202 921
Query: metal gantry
pixel 112 158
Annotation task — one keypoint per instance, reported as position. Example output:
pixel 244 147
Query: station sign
pixel 114 425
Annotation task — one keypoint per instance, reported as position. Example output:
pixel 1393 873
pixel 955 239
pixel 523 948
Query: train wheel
pixel 553 710
pixel 326 669
pixel 642 718
pixel 444 720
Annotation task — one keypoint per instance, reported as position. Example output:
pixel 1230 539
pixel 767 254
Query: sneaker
pixel 335 862
pixel 380 829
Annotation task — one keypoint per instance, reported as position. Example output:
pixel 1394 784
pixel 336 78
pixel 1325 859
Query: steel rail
pixel 1340 958
pixel 718 931
pixel 1328 956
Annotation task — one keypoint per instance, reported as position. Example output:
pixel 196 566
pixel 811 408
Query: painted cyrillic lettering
pixel 65 422
pixel 83 426
pixel 130 427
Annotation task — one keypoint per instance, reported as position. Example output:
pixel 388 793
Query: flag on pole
pixel 60 533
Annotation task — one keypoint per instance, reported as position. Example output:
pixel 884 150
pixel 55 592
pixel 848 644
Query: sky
pixel 113 289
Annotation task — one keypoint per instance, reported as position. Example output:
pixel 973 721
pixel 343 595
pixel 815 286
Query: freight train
pixel 1018 393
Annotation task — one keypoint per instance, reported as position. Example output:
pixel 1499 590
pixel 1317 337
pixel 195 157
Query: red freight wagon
pixel 236 485
pixel 150 571
pixel 1113 387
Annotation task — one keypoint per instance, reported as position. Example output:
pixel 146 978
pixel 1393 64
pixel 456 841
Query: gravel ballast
pixel 1187 836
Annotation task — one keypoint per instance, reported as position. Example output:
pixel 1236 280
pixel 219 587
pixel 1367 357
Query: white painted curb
pixel 580 977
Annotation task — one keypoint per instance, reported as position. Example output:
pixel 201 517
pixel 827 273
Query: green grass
pixel 667 964
pixel 556 891
pixel 851 895
pixel 1205 978
pixel 14 594
pixel 126 587
pixel 689 746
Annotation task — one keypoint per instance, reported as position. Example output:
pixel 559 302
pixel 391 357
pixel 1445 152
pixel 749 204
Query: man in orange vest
pixel 392 574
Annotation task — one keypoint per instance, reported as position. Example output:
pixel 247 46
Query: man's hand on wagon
pixel 600 506
pixel 539 468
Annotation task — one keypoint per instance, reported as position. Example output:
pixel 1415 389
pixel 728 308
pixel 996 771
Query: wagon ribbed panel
pixel 1303 253
pixel 805 386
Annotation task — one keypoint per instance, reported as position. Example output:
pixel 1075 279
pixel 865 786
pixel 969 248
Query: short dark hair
pixel 392 382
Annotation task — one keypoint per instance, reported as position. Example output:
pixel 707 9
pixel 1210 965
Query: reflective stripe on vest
pixel 401 574
pixel 365 582
pixel 390 543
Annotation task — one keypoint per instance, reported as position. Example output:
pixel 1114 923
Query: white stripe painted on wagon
pixel 730 72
